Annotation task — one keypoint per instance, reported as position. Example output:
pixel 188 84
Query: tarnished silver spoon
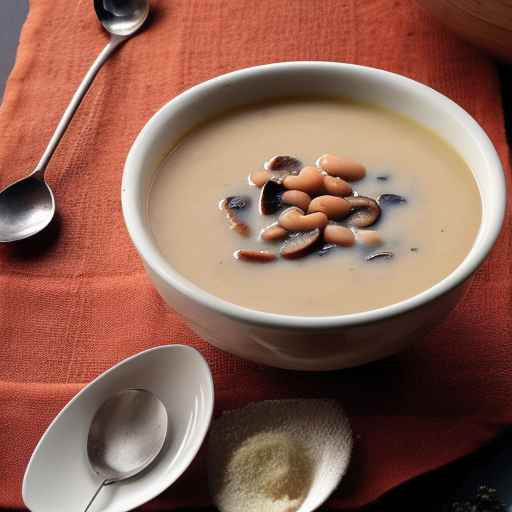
pixel 127 433
pixel 27 206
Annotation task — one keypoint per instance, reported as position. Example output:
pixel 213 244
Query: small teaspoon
pixel 27 206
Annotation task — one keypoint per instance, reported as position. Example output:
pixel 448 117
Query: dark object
pixel 270 197
pixel 383 177
pixel 325 249
pixel 238 202
pixel 414 249
pixel 299 244
pixel 505 72
pixel 390 199
pixel 284 163
pixel 386 255
pixel 365 211
pixel 486 500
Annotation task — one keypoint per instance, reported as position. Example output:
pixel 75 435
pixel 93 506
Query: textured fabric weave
pixel 76 300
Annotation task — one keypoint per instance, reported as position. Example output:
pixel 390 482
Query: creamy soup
pixel 422 234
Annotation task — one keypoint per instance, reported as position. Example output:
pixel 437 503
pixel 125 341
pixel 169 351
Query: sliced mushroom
pixel 325 248
pixel 386 255
pixel 281 166
pixel 270 197
pixel 231 205
pixel 255 256
pixel 300 244
pixel 284 163
pixel 238 202
pixel 365 210
pixel 391 199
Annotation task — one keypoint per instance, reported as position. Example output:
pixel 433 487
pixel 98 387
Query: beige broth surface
pixel 440 220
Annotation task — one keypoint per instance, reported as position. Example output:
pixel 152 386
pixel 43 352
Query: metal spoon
pixel 27 206
pixel 127 432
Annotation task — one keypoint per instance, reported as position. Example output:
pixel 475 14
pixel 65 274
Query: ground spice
pixel 275 456
pixel 269 472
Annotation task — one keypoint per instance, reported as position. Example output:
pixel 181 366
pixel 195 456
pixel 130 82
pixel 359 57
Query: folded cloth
pixel 76 300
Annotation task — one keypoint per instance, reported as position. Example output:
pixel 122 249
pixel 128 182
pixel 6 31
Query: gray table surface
pixel 491 466
pixel 12 15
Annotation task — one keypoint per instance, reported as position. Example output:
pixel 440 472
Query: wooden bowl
pixel 486 23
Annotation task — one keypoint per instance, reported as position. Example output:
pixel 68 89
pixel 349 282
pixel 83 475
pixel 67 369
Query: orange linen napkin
pixel 76 301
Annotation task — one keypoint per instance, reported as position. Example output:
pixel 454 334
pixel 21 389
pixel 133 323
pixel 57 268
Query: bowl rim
pixel 192 452
pixel 151 256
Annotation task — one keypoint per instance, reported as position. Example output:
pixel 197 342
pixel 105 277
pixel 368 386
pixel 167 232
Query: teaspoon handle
pixel 95 494
pixel 77 98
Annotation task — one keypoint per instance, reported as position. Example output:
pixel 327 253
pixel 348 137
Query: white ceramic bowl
pixel 310 343
pixel 59 477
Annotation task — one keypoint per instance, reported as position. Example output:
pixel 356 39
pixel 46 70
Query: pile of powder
pixel 267 456
pixel 269 472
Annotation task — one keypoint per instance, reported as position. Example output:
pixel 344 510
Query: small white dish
pixel 59 477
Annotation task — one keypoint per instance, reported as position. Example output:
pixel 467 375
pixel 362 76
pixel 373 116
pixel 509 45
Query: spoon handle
pixel 77 98
pixel 95 494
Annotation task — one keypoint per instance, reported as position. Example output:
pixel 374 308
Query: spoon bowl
pixel 126 435
pixel 26 207
pixel 122 17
